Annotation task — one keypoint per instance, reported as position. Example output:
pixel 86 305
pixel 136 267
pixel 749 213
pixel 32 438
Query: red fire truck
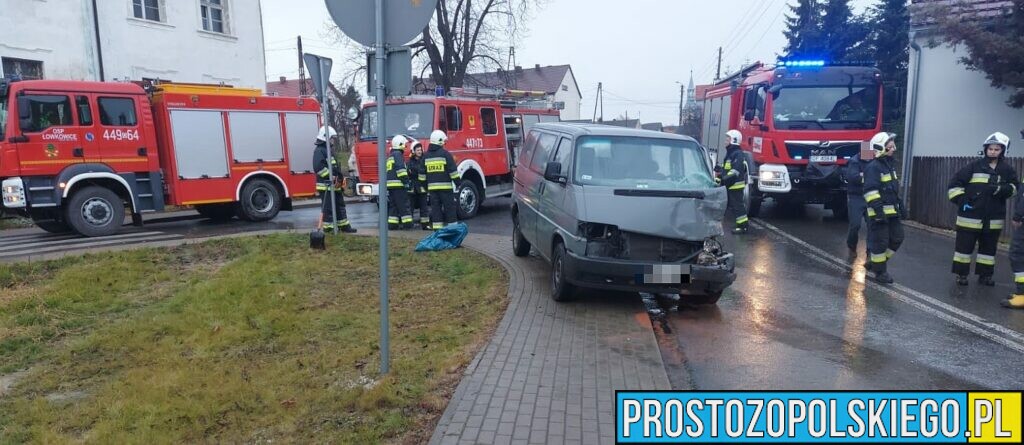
pixel 485 130
pixel 77 156
pixel 801 121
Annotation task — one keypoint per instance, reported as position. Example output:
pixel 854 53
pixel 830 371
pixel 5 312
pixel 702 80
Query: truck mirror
pixel 748 116
pixel 24 108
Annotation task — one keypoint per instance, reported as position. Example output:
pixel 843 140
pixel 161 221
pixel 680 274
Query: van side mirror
pixel 553 172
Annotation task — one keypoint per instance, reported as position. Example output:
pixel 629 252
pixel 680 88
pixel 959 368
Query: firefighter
pixel 855 199
pixel 418 183
pixel 324 165
pixel 441 172
pixel 733 175
pixel 1016 300
pixel 884 209
pixel 980 191
pixel 399 214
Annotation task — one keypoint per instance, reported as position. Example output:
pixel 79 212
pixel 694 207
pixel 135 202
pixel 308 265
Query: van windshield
pixel 641 163
pixel 416 120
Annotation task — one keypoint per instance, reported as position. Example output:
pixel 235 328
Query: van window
pixel 564 154
pixel 117 112
pixel 489 121
pixel 641 163
pixel 84 111
pixel 46 112
pixel 545 145
pixel 526 150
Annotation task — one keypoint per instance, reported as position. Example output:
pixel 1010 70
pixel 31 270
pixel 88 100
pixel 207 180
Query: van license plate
pixel 823 158
pixel 667 274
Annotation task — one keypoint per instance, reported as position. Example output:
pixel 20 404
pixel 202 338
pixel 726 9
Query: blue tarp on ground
pixel 450 237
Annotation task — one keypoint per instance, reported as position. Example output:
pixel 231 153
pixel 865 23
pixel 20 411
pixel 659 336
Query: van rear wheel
pixel 561 290
pixel 520 246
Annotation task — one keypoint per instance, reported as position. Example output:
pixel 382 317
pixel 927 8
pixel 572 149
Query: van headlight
pixel 13 193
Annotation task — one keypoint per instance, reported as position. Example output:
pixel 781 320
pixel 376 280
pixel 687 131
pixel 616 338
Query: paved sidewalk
pixel 549 373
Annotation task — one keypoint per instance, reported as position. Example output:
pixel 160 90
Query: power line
pixel 769 28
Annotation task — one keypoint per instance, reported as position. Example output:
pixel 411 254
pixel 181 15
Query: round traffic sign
pixel 403 19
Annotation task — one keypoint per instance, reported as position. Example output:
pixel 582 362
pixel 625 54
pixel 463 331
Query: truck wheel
pixel 260 201
pixel 561 290
pixel 708 298
pixel 217 212
pixel 95 211
pixel 520 246
pixel 468 198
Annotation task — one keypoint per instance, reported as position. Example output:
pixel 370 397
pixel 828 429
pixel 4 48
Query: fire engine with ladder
pixel 485 127
pixel 802 120
pixel 78 156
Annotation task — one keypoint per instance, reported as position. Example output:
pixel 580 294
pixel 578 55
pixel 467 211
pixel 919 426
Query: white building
pixel 558 83
pixel 200 41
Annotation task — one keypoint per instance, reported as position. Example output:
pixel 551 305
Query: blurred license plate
pixel 667 274
pixel 823 158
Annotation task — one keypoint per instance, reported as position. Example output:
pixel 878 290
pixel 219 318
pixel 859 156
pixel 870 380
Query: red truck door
pixel 755 129
pixel 55 136
pixel 120 134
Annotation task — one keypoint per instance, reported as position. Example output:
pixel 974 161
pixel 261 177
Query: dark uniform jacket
pixel 734 169
pixel 321 168
pixel 881 189
pixel 440 168
pixel 980 193
pixel 417 175
pixel 854 180
pixel 398 175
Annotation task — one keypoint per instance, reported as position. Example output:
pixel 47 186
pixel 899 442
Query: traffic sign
pixel 404 19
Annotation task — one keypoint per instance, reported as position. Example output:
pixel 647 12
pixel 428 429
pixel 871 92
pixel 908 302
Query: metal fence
pixel 929 201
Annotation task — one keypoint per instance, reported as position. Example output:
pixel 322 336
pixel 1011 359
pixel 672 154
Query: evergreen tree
pixel 890 21
pixel 803 28
pixel 995 43
pixel 843 35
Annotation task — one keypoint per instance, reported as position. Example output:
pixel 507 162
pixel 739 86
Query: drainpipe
pixel 99 44
pixel 911 119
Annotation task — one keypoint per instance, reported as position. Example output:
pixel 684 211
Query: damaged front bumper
pixel 647 276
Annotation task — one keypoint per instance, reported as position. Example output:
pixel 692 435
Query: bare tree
pixel 463 35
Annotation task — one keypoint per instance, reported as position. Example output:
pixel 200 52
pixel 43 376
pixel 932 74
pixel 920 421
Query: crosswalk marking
pixel 43 243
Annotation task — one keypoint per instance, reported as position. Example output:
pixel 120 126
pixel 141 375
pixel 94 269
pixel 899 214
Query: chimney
pixel 537 66
pixel 283 79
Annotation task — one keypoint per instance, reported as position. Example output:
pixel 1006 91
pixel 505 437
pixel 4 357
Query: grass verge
pixel 15 223
pixel 242 340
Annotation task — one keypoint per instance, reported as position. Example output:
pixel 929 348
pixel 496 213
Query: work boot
pixel 392 226
pixel 986 280
pixel 739 230
pixel 407 226
pixel 1015 302
pixel 348 229
pixel 961 280
pixel 425 226
pixel 884 278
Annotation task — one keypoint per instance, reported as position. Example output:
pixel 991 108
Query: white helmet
pixel 438 138
pixel 399 142
pixel 879 141
pixel 998 138
pixel 326 132
pixel 735 137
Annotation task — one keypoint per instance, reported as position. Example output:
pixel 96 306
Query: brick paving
pixel 549 373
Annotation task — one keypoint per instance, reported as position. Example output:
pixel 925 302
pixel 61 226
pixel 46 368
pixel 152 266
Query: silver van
pixel 621 209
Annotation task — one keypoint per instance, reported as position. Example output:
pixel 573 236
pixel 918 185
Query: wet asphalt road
pixel 800 315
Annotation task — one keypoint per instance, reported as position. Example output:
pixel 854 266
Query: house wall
pixel 60 33
pixel 571 98
pixel 956 108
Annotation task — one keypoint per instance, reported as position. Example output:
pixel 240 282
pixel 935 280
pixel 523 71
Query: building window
pixel 214 14
pixel 25 69
pixel 148 10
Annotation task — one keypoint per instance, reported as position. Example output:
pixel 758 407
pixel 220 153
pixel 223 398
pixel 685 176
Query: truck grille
pixel 367 168
pixel 804 150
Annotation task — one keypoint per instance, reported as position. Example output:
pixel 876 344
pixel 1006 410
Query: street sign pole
pixel 382 191
pixel 326 113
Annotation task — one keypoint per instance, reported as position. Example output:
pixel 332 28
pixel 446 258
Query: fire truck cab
pixel 485 131
pixel 801 120
pixel 79 156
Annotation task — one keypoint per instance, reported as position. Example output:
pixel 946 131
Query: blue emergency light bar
pixel 802 63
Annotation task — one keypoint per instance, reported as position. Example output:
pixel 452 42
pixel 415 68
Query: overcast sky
pixel 639 49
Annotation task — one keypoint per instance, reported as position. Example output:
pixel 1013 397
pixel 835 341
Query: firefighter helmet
pixel 438 137
pixel 413 144
pixel 325 131
pixel 399 142
pixel 735 137
pixel 879 141
pixel 998 138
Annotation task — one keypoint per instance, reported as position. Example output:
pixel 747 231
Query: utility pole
pixel 718 71
pixel 302 71
pixel 682 89
pixel 596 101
